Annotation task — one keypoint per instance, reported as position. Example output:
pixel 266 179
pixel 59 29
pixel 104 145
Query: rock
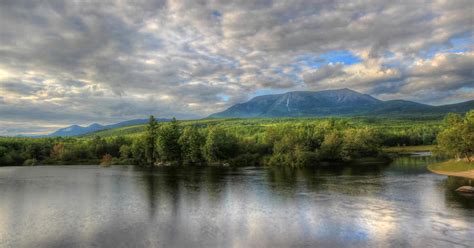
pixel 466 189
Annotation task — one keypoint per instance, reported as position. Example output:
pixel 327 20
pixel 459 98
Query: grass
pixel 452 166
pixel 403 149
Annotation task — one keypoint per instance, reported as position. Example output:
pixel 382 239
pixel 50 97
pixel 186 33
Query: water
pixel 401 204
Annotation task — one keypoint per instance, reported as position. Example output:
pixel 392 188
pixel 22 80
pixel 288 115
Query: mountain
pixel 76 130
pixel 340 102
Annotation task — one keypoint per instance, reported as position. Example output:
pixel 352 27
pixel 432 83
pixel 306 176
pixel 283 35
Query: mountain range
pixel 76 130
pixel 340 102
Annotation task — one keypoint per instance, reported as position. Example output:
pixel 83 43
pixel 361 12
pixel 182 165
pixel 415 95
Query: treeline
pixel 234 142
pixel 290 145
pixel 32 151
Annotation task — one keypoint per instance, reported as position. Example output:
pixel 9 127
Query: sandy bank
pixel 467 174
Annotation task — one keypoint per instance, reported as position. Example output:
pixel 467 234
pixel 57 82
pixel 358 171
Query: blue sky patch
pixel 224 97
pixel 455 45
pixel 216 15
pixel 342 56
pixel 337 56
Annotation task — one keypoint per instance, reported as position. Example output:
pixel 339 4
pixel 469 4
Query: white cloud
pixel 88 61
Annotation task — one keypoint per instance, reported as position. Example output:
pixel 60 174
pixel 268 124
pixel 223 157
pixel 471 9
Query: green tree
pixel 331 147
pixel 457 137
pixel 452 119
pixel 191 142
pixel 125 152
pixel 360 142
pixel 219 145
pixel 150 140
pixel 167 144
pixel 98 146
pixel 5 156
pixel 138 151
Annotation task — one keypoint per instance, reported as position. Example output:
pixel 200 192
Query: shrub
pixel 106 160
pixel 30 162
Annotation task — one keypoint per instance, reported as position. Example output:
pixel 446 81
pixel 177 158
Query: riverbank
pixel 408 149
pixel 453 168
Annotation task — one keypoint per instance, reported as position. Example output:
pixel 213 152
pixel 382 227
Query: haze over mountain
pixel 340 102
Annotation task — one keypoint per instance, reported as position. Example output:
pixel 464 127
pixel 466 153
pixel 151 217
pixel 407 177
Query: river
pixel 398 204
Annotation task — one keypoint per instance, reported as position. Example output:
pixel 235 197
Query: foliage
pixel 409 149
pixel 138 151
pixel 167 145
pixel 30 162
pixel 219 145
pixel 331 148
pixel 360 142
pixel 150 140
pixel 106 160
pixel 293 142
pixel 457 137
pixel 192 142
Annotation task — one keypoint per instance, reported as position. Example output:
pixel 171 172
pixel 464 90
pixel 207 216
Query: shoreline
pixel 466 174
pixel 408 149
pixel 453 168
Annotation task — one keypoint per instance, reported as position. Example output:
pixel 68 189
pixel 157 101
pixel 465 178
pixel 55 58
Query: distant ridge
pixel 76 130
pixel 339 102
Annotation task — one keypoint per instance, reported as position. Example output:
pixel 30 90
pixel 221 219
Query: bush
pixel 106 160
pixel 30 162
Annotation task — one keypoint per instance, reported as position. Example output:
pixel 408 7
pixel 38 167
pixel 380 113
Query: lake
pixel 398 204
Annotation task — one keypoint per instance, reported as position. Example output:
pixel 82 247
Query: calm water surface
pixel 401 204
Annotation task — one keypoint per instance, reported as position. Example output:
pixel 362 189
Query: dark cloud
pixel 81 61
pixel 19 88
pixel 327 71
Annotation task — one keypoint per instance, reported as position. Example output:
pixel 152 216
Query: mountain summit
pixel 340 102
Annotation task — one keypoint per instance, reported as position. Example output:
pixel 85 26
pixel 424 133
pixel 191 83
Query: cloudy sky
pixel 85 61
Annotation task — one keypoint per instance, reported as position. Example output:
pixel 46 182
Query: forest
pixel 294 142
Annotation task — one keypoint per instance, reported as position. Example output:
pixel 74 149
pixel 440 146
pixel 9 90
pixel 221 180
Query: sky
pixel 86 61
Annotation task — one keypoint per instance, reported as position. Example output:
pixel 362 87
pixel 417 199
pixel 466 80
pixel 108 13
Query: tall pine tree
pixel 150 140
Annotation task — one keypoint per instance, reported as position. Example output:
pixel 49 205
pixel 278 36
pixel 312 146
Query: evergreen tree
pixel 191 142
pixel 167 144
pixel 150 140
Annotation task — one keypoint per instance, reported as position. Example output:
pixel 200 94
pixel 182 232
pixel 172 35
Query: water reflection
pixel 455 199
pixel 401 204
